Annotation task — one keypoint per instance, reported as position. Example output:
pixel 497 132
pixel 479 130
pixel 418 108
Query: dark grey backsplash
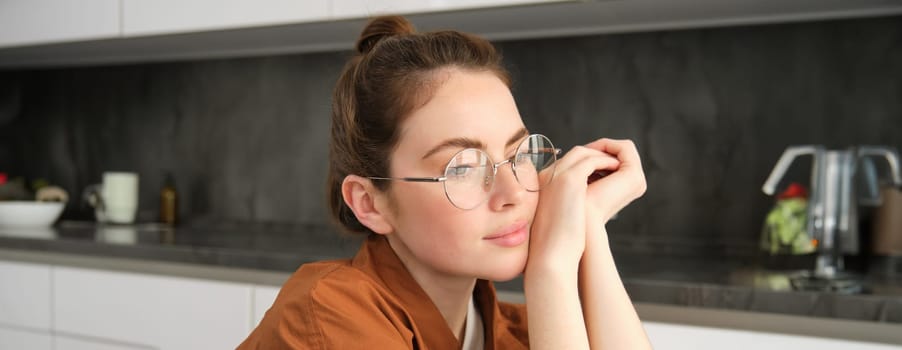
pixel 710 110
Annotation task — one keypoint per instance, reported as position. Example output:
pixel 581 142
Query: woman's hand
pixel 556 245
pixel 610 318
pixel 608 195
pixel 558 234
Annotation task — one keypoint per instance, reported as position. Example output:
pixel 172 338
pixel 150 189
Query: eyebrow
pixel 464 142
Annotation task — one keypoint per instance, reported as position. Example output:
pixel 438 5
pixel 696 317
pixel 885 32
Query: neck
pixel 450 294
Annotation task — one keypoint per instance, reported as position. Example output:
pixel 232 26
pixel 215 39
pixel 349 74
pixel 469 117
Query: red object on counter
pixel 3 177
pixel 795 190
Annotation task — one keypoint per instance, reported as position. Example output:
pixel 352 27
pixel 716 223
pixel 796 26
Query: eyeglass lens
pixel 470 173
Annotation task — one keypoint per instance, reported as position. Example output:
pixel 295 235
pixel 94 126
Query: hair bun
pixel 380 28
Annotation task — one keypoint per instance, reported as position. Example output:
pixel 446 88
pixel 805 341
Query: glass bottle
pixel 168 200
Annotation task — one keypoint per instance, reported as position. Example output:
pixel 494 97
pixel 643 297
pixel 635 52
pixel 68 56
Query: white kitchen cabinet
pixel 141 17
pixel 51 21
pixel 111 305
pixel 18 339
pixel 25 295
pixel 666 336
pixel 71 343
pixel 153 311
pixel 234 28
pixel 263 298
pixel 204 314
pixel 343 9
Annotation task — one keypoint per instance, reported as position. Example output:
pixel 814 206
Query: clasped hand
pixel 570 209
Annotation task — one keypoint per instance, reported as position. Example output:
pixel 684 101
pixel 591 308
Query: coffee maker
pixel 841 180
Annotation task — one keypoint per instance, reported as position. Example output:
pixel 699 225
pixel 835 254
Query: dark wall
pixel 711 110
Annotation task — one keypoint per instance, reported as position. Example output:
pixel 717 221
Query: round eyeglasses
pixel 470 173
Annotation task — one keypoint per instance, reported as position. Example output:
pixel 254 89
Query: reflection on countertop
pixel 253 246
pixel 695 281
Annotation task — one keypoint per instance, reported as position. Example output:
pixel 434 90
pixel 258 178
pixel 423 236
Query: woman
pixel 430 159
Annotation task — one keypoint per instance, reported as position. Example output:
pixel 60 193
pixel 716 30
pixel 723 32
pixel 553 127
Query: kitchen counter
pixel 268 254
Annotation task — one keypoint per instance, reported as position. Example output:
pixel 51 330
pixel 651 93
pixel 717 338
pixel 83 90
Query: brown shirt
pixel 372 302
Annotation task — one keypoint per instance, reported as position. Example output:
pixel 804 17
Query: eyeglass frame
pixel 495 166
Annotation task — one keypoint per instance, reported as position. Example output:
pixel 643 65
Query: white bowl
pixel 29 214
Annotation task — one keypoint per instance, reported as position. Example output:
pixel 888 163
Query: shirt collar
pixel 378 259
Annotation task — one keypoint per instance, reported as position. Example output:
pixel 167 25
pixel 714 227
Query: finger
pixel 626 183
pixel 586 166
pixel 579 152
pixel 582 151
pixel 625 150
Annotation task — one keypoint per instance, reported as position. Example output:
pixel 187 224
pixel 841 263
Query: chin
pixel 505 269
pixel 504 277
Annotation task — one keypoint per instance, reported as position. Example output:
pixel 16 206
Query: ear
pixel 368 203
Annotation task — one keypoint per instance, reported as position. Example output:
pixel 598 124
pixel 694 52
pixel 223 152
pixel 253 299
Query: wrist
pixel 597 240
pixel 548 267
pixel 602 214
pixel 550 279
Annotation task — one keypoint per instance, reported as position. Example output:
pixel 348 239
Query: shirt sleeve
pixel 332 314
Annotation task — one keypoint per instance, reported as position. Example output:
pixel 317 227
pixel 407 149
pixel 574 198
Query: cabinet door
pixel 47 21
pixel 447 5
pixel 203 314
pixel 109 305
pixel 343 9
pixel 25 295
pixel 148 310
pixel 142 17
pixel 70 343
pixel 263 298
pixel 665 336
pixel 18 339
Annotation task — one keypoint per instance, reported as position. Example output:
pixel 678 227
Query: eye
pixel 459 171
pixel 466 172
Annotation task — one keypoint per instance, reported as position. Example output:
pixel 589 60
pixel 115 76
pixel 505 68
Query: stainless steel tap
pixel 834 196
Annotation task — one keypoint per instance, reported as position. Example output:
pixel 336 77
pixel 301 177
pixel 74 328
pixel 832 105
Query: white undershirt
pixel 474 331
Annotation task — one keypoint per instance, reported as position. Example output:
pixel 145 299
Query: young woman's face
pixel 489 241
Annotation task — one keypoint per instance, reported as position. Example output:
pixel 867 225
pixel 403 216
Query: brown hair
pixel 391 74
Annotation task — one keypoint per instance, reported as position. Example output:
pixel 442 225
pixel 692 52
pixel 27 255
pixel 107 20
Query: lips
pixel 511 235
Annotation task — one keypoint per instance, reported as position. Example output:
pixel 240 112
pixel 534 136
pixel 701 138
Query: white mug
pixel 116 199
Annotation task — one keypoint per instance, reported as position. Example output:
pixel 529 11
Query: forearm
pixel 553 309
pixel 611 319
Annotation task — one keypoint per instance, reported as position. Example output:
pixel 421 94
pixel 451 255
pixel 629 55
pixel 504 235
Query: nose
pixel 506 191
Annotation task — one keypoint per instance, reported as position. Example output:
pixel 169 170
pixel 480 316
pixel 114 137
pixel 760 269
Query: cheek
pixel 432 227
pixel 530 203
pixel 427 210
